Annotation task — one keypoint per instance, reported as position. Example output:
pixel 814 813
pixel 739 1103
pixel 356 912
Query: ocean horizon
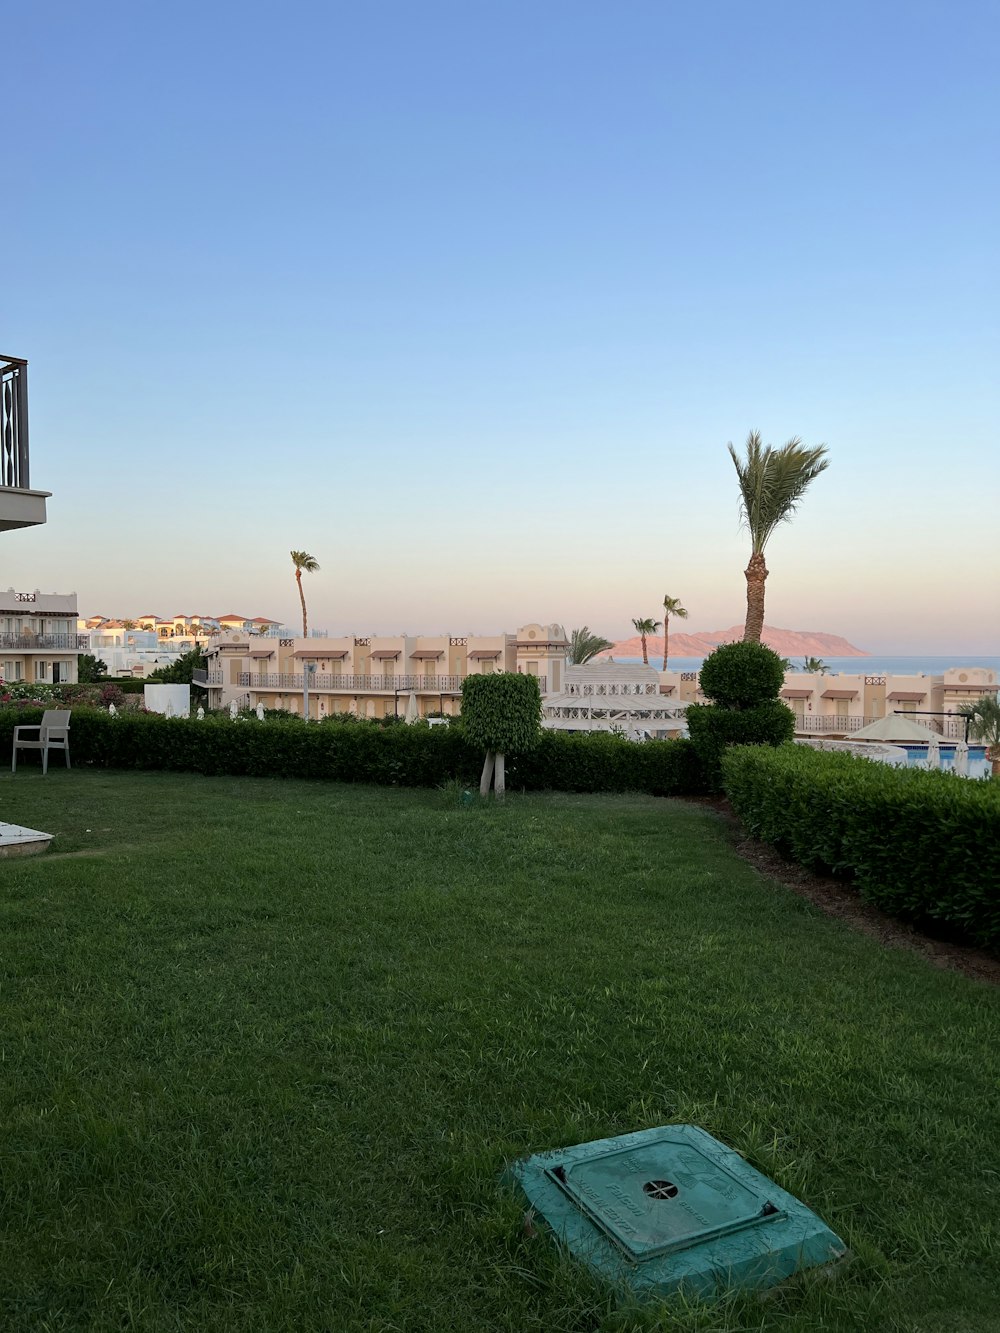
pixel 874 664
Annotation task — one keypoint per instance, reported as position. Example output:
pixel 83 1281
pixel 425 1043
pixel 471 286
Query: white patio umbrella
pixel 960 763
pixel 894 728
pixel 933 754
pixel 412 711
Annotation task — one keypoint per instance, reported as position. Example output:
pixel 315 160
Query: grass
pixel 267 1047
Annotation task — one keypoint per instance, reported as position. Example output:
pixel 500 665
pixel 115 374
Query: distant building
pixel 39 642
pixel 368 675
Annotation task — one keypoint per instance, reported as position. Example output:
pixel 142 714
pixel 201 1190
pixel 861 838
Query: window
pixel 41 671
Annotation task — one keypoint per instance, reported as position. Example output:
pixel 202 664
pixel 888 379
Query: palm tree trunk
pixel 645 655
pixel 665 633
pixel 302 599
pixel 756 573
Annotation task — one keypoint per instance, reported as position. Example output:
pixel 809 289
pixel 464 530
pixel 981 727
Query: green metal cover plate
pixel 671 1209
pixel 664 1196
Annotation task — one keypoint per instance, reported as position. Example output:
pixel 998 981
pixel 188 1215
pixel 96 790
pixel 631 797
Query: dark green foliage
pixel 180 672
pixel 742 675
pixel 921 845
pixel 90 668
pixel 352 750
pixel 713 730
pixel 502 712
pixel 127 684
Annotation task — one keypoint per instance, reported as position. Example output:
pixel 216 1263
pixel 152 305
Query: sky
pixel 467 299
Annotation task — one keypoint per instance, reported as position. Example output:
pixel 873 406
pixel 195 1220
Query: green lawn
pixel 266 1048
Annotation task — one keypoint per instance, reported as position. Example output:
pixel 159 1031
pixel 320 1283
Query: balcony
pixel 20 506
pixel 273 680
pixel 45 643
pixel 828 724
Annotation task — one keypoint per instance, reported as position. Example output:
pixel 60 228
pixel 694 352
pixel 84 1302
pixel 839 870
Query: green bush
pixel 502 712
pixel 742 675
pixel 360 751
pixel 127 684
pixel 921 845
pixel 713 730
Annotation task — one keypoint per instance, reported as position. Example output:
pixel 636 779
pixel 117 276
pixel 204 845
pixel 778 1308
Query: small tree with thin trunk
pixel 302 560
pixel 501 714
pixel 671 607
pixel 645 626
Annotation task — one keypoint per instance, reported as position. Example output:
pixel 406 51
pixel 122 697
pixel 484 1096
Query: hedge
pixel 922 845
pixel 714 729
pixel 407 756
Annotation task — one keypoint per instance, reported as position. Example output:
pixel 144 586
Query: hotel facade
pixel 373 675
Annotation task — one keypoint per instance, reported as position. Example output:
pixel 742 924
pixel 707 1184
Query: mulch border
pixel 840 900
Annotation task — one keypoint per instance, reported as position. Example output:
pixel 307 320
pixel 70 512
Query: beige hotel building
pixel 373 676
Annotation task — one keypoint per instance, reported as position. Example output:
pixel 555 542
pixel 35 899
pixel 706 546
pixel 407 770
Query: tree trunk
pixel 756 573
pixel 498 782
pixel 665 633
pixel 302 599
pixel 993 754
pixel 487 778
pixel 645 655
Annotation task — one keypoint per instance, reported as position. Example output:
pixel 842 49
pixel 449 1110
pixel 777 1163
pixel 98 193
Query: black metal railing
pixel 14 423
pixel 73 642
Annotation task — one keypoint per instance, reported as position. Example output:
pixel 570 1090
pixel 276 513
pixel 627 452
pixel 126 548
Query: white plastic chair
pixel 53 734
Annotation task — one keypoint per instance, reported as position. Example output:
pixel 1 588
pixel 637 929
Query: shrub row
pixel 919 844
pixel 407 756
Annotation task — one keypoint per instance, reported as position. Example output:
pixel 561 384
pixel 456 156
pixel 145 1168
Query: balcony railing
pixel 42 642
pixel 273 680
pixel 825 723
pixel 14 423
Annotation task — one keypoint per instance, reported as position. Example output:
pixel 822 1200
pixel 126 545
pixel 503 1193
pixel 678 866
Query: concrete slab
pixel 16 840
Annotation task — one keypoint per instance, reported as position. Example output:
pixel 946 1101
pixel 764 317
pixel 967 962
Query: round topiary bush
pixel 742 675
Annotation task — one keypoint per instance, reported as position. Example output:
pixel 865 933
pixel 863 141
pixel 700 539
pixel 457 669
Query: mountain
pixel 788 642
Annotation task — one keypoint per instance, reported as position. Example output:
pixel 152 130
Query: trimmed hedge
pixel 713 730
pixel 919 844
pixel 406 756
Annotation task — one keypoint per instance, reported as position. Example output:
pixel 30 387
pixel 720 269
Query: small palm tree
pixel 671 607
pixel 584 645
pixel 302 560
pixel 984 725
pixel 772 482
pixel 644 627
pixel 815 664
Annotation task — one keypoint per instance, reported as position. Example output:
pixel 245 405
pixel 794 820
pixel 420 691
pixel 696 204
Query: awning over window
pixel 839 694
pixel 383 654
pixel 483 653
pixel 328 654
pixel 908 694
pixel 261 652
pixel 796 694
pixel 427 654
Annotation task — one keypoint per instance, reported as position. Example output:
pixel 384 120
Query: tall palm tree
pixel 671 607
pixel 584 645
pixel 302 560
pixel 984 725
pixel 644 627
pixel 772 482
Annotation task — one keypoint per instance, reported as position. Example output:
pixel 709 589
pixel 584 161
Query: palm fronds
pixel 773 481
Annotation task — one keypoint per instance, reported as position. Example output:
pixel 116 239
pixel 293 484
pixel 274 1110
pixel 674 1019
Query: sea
pixel 875 664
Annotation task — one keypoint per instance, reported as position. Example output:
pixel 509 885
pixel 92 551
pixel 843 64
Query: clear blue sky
pixel 466 299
